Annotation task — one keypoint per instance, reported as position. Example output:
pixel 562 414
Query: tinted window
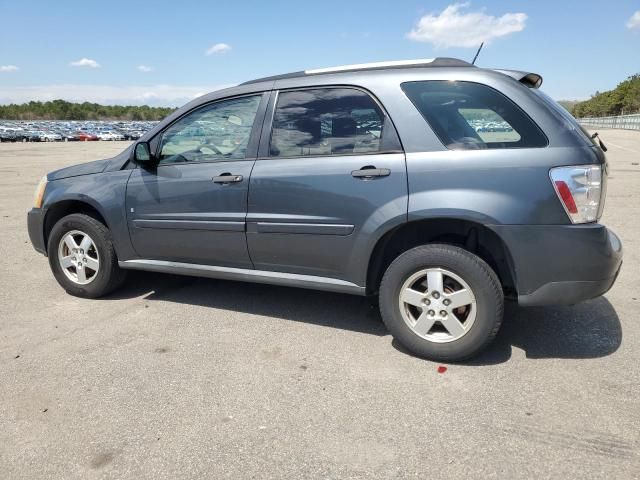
pixel 468 115
pixel 217 132
pixel 326 121
pixel 566 119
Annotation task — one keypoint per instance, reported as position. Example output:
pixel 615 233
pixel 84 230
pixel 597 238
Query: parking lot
pixel 178 377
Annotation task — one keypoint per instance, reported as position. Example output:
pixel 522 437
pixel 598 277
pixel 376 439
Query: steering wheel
pixel 211 146
pixel 178 158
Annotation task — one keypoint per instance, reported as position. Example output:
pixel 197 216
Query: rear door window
pixel 471 116
pixel 330 121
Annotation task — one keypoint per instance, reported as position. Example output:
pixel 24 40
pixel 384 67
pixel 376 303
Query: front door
pixel 330 175
pixel 192 207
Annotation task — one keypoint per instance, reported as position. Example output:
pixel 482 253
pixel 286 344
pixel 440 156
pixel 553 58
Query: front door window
pixel 216 132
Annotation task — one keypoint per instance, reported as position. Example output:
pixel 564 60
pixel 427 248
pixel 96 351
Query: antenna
pixel 477 53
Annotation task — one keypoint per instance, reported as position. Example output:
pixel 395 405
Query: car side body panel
pixel 105 192
pixel 311 216
pixel 176 212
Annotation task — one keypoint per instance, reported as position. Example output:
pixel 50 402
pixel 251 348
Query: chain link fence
pixel 625 122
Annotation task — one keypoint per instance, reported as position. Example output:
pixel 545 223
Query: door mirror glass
pixel 142 154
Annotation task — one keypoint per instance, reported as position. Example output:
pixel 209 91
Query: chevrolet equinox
pixel 440 187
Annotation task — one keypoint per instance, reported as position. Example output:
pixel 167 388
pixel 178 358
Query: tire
pixel 106 278
pixel 475 324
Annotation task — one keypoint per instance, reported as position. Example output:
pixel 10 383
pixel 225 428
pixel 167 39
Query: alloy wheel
pixel 78 257
pixel 437 305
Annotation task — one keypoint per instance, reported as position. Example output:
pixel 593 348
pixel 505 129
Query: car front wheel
pixel 441 302
pixel 82 257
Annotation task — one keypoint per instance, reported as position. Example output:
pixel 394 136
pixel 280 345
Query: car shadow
pixel 588 330
pixel 347 312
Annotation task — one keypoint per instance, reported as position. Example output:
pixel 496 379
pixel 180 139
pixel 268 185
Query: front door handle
pixel 370 171
pixel 227 178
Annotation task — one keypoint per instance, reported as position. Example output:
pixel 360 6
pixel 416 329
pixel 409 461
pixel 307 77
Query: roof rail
pixel 424 62
pixel 372 65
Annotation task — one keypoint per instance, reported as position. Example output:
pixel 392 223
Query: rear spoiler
pixel 531 80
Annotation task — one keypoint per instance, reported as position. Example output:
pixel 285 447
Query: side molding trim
pixel 303 228
pixel 245 275
pixel 219 226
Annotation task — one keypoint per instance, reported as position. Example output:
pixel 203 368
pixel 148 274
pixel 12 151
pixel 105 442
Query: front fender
pixel 104 192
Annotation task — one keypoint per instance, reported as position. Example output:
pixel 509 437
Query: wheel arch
pixel 65 207
pixel 472 236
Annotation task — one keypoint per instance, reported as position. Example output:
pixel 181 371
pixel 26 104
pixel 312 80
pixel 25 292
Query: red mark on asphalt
pixel 442 369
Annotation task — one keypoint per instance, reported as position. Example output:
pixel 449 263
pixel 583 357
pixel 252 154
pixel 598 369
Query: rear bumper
pixel 567 292
pixel 35 225
pixel 561 264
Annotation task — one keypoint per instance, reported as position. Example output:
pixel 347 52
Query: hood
pixel 97 166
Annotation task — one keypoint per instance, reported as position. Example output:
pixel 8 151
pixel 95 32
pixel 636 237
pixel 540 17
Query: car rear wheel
pixel 441 302
pixel 82 257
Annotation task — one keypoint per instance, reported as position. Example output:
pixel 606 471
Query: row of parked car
pixel 72 131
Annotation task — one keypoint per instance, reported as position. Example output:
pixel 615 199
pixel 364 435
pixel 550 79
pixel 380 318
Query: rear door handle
pixel 227 178
pixel 370 172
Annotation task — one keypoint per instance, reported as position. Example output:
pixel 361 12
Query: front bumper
pixel 35 225
pixel 561 264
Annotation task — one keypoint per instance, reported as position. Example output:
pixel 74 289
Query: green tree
pixel 625 98
pixel 63 110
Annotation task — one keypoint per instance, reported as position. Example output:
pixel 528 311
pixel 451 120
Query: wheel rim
pixel 78 257
pixel 437 305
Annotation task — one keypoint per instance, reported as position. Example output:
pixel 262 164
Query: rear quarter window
pixel 472 116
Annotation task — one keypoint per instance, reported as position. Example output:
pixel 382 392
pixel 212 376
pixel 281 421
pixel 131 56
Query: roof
pixel 420 63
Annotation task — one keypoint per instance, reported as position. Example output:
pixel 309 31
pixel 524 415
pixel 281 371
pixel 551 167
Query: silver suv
pixel 441 187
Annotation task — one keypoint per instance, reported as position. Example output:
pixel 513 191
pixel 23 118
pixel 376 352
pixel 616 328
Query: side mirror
pixel 142 155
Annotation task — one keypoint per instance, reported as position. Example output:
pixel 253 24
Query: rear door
pixel 192 207
pixel 330 172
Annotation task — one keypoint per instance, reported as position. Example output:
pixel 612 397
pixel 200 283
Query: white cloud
pixel 218 48
pixel 634 21
pixel 145 68
pixel 454 28
pixel 85 62
pixel 156 95
pixel 8 68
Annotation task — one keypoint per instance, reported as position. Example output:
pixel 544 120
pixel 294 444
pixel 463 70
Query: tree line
pixel 624 99
pixel 63 110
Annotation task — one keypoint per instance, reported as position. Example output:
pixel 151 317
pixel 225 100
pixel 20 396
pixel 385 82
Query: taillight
pixel 580 190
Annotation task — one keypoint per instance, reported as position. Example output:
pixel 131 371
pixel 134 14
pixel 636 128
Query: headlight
pixel 39 195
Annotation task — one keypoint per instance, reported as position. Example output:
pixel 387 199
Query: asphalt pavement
pixel 177 377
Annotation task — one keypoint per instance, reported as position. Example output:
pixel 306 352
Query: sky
pixel 168 52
